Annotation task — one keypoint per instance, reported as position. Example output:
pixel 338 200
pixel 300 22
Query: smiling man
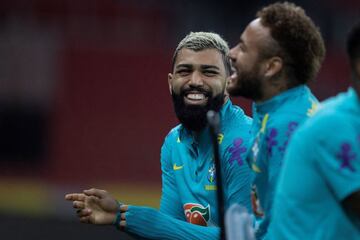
pixel 188 208
pixel 279 52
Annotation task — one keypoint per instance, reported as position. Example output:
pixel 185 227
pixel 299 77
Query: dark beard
pixel 248 85
pixel 193 117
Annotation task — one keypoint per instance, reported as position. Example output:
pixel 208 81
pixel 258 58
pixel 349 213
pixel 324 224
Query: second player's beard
pixel 248 85
pixel 193 117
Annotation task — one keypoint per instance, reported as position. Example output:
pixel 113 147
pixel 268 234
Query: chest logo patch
pixel 197 214
pixel 176 167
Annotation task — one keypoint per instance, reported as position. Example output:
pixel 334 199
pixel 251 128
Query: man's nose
pixel 196 79
pixel 232 55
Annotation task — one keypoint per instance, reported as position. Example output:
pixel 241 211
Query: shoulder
pixel 335 104
pixel 293 114
pixel 285 122
pixel 235 138
pixel 235 129
pixel 173 136
pixel 298 107
pixel 234 119
pixel 331 113
pixel 331 119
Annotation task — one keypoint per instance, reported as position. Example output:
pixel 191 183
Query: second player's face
pixel 247 65
pixel 198 76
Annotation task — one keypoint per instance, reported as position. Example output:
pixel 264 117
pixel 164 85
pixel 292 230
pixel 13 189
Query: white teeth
pixel 196 96
pixel 233 76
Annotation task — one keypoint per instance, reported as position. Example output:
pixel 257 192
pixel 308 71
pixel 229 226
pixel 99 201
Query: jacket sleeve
pixel 168 222
pixel 170 203
pixel 152 224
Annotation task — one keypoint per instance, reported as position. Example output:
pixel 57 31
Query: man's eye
pixel 183 72
pixel 242 47
pixel 210 73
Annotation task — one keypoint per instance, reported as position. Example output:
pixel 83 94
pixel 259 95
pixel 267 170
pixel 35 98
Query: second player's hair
pixel 300 43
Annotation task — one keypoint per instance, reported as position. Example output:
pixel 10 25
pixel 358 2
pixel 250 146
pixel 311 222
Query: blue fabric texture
pixel 188 208
pixel 322 168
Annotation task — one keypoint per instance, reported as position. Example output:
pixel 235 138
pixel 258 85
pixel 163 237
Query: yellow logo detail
pixel 255 168
pixel 264 122
pixel 177 167
pixel 312 110
pixel 210 187
pixel 220 138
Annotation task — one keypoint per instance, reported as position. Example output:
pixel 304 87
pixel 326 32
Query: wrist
pixel 117 218
pixel 119 204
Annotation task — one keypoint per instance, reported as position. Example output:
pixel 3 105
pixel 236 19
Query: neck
pixel 271 90
pixel 356 77
pixel 356 86
pixel 226 98
pixel 356 80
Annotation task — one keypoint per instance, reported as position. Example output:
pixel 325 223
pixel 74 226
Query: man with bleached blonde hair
pixel 188 208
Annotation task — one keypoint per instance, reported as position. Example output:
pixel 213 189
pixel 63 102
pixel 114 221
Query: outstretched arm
pixel 99 207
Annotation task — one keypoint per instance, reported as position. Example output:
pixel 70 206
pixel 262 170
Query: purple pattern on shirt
pixel 236 151
pixel 346 156
pixel 271 140
pixel 291 128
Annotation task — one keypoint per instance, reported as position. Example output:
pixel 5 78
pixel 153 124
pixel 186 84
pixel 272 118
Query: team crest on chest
pixel 254 154
pixel 197 214
pixel 211 177
pixel 211 173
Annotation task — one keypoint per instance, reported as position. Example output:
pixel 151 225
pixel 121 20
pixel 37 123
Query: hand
pixel 96 206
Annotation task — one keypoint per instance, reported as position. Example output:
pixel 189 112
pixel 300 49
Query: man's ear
pixel 170 78
pixel 227 81
pixel 273 66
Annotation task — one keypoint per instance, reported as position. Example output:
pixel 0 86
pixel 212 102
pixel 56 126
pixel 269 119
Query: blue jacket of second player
pixel 275 120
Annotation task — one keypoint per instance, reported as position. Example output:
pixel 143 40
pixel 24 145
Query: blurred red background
pixel 96 71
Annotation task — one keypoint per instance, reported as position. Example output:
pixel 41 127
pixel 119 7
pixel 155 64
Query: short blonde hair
pixel 198 41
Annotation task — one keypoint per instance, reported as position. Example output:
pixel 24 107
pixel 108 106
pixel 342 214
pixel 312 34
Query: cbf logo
pixel 255 152
pixel 197 214
pixel 211 173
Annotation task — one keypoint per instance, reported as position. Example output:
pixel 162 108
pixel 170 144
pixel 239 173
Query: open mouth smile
pixel 195 98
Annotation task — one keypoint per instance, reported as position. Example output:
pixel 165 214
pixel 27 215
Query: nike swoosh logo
pixel 177 167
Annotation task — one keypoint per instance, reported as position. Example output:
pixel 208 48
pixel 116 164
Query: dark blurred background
pixel 84 100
